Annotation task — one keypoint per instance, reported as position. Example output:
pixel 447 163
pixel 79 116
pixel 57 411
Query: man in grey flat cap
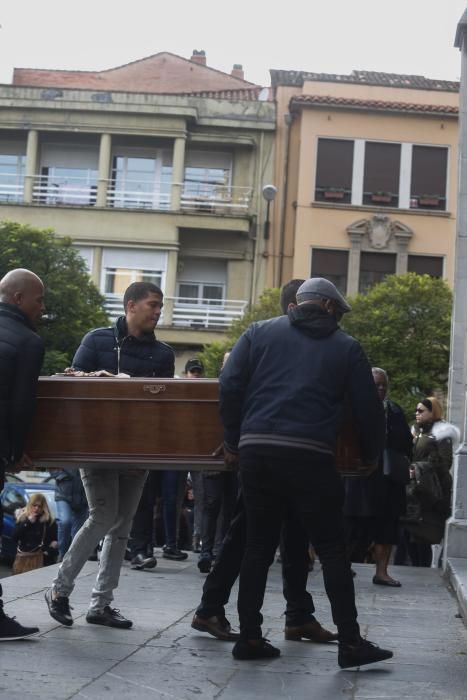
pixel 282 394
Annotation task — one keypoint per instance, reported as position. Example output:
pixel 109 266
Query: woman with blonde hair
pixel 430 487
pixel 35 535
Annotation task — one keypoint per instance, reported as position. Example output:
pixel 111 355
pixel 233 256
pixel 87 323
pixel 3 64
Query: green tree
pixel 267 307
pixel 404 324
pixel 73 303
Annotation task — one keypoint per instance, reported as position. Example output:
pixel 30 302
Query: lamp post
pixel 269 193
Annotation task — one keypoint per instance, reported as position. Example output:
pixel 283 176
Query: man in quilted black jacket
pixel 21 355
pixel 129 347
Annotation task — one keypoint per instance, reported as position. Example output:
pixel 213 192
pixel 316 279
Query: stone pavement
pixel 164 659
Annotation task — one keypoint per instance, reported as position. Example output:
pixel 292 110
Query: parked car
pixel 16 495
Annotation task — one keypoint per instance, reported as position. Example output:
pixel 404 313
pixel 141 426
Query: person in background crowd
pixel 282 395
pixel 21 356
pixel 300 622
pixel 374 504
pixel 35 536
pixel 113 495
pixel 429 490
pixel 194 369
pixel 72 506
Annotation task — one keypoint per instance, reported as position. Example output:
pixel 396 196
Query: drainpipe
pixel 259 206
pixel 288 118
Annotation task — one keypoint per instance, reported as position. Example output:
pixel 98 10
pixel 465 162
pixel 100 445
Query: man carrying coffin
pixel 130 347
pixel 282 393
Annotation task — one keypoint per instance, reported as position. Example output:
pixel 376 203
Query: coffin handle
pixel 154 388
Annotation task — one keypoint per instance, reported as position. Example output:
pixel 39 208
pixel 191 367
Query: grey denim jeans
pixel 113 498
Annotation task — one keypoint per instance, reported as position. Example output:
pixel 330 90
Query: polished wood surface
pixel 146 423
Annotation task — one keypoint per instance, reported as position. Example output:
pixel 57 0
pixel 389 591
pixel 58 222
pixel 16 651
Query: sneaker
pixel 11 630
pixel 173 553
pixel 204 564
pixel 250 649
pixel 59 608
pixel 110 617
pixel 140 562
pixel 361 653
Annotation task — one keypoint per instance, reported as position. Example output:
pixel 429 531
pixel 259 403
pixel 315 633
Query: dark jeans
pixel 277 481
pixel 220 493
pixel 295 560
pixel 141 536
pixel 171 481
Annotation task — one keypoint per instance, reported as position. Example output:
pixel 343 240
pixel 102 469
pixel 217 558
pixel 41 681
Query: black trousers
pixel 141 535
pixel 295 560
pixel 220 493
pixel 274 482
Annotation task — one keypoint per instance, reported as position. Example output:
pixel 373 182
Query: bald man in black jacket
pixel 21 356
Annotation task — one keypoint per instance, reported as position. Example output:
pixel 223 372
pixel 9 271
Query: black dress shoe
pixel 10 629
pixel 204 564
pixel 361 653
pixel 248 650
pixel 110 617
pixel 140 562
pixel 379 581
pixel 218 626
pixel 173 553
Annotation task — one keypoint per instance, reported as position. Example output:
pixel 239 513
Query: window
pixel 374 267
pixel 122 266
pixel 201 293
pixel 12 169
pixel 59 185
pixel 428 183
pixel 426 265
pixel 332 264
pixel 381 174
pixel 208 175
pixel 334 171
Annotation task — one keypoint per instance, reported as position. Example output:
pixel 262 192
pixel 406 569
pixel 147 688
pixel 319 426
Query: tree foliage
pixel 267 307
pixel 404 325
pixel 73 303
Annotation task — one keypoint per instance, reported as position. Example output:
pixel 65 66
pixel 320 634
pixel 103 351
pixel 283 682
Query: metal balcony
pixel 184 312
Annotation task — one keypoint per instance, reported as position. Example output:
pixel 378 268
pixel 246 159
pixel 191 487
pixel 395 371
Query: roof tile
pixel 362 77
pixel 380 105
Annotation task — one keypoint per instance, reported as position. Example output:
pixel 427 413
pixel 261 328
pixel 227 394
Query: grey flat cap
pixel 319 287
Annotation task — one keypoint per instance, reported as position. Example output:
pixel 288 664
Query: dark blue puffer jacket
pixel 114 350
pixel 286 382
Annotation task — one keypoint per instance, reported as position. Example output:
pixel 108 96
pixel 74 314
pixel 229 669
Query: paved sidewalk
pixel 164 659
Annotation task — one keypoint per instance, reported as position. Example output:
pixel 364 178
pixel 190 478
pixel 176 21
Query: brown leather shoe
pixel 218 627
pixel 310 630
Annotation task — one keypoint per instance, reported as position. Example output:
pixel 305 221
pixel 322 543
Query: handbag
pixel 396 466
pixel 28 561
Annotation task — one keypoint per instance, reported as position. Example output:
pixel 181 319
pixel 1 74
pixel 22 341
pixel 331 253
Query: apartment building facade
pixel 367 168
pixel 155 171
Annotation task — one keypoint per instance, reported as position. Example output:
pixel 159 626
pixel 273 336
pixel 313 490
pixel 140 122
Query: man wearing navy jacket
pixel 129 347
pixel 282 394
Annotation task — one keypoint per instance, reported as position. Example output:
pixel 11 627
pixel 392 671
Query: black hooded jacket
pixel 286 382
pixel 114 350
pixel 21 356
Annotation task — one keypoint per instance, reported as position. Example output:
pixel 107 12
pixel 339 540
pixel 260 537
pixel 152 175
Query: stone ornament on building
pixel 379 232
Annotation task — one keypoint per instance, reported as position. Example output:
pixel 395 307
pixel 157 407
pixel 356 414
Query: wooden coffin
pixel 138 423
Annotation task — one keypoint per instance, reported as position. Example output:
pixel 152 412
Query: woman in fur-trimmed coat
pixel 430 488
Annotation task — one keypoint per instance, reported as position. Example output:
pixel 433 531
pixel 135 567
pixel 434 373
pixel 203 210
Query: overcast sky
pixel 333 36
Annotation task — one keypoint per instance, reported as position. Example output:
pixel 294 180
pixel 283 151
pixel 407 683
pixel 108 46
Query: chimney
pixel 237 71
pixel 199 57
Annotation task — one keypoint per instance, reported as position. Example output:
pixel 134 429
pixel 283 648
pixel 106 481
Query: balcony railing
pixel 71 191
pixel 11 187
pixel 138 194
pixel 210 198
pixel 188 313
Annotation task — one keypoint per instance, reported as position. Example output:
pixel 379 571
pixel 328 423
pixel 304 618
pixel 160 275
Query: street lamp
pixel 269 192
